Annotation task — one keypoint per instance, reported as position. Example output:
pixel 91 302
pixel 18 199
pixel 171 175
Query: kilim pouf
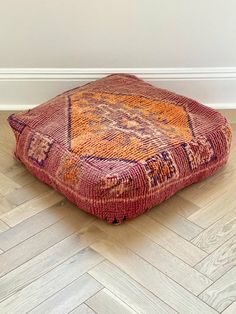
pixel 118 146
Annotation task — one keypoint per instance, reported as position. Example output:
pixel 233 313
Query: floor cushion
pixel 118 146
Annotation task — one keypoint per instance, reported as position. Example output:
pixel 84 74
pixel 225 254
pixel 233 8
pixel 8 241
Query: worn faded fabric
pixel 118 146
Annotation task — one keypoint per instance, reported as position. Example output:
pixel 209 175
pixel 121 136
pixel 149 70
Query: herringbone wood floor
pixel 180 257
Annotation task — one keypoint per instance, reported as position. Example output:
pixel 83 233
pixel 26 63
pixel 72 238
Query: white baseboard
pixel 24 88
pixel 78 74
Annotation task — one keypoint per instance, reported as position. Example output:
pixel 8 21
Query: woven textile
pixel 118 146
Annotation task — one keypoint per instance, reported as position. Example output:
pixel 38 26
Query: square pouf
pixel 118 146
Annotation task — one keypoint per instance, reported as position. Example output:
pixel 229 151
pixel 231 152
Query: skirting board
pixel 22 89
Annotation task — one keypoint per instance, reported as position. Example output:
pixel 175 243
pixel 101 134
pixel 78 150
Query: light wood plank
pixel 219 261
pixel 52 282
pixel 216 209
pixel 166 262
pixel 7 185
pixel 180 205
pixel 211 189
pixel 231 309
pixel 26 193
pixel 168 216
pixel 30 208
pixel 3 227
pixel 70 297
pixel 25 274
pixel 169 240
pixel 5 205
pixel 151 278
pixel 223 292
pixel 24 178
pixel 16 168
pixel 105 302
pixel 82 309
pixel 128 290
pixel 218 233
pixel 9 165
pixel 35 224
pixel 41 241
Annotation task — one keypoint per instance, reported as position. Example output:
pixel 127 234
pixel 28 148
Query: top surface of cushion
pixel 119 141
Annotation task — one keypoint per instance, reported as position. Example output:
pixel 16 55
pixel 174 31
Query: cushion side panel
pixel 122 194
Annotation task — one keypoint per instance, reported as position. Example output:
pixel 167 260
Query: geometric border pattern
pixel 39 148
pixel 161 168
pixel 199 152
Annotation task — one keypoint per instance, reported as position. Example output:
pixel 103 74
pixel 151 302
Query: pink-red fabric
pixel 119 146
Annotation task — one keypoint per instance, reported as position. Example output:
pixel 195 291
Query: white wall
pixel 118 34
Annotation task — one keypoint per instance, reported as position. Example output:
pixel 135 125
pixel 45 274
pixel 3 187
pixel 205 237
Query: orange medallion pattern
pixel 133 126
